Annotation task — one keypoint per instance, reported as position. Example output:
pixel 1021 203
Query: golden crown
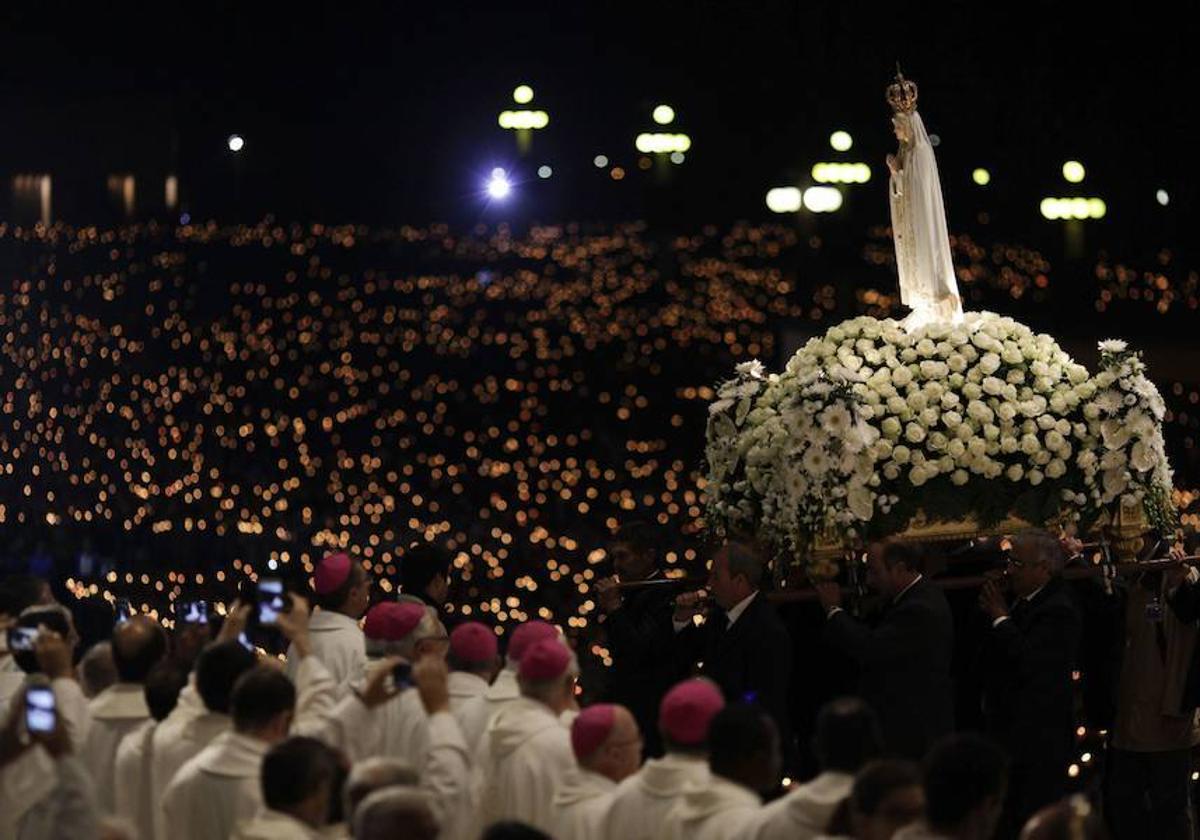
pixel 902 94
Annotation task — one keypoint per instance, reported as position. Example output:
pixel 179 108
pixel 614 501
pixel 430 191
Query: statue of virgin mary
pixel 927 283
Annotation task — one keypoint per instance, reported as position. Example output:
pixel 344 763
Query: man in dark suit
pixel 1028 657
pixel 742 645
pixel 638 629
pixel 904 660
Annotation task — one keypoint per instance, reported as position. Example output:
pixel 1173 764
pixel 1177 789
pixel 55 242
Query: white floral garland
pixel 868 412
pixel 1125 418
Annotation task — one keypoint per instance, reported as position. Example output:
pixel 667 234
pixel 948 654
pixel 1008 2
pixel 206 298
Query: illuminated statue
pixel 927 284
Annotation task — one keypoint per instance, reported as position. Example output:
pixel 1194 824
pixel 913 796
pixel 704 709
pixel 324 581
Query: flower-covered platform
pixel 872 430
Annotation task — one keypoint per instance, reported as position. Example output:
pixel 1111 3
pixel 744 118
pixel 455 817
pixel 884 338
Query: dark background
pixel 386 112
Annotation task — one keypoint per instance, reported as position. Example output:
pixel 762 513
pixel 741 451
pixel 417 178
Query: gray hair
pixel 1041 547
pixel 544 691
pixel 372 774
pixel 744 559
pixel 396 813
pixel 97 670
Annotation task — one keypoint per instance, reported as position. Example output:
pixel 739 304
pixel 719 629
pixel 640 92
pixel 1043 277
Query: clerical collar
pixel 900 594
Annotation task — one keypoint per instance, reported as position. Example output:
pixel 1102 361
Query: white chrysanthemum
pixel 1113 345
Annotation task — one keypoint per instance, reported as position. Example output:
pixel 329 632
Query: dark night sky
pixel 387 110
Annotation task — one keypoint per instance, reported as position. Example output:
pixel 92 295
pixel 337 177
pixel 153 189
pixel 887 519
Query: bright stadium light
pixel 545 172
pixel 1162 197
pixel 784 199
pixel 841 173
pixel 677 157
pixel 1073 171
pixel 498 186
pixel 600 161
pixel 981 177
pixel 517 120
pixel 648 143
pixel 822 199
pixel 841 141
pixel 1069 209
pixel 235 142
pixel 523 94
pixel 664 115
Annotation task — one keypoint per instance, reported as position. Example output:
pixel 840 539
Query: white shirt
pixel 115 712
pixel 835 610
pixel 522 755
pixel 217 789
pixel 731 615
pixel 804 813
pixel 581 801
pixel 641 802
pixel 735 612
pixel 339 643
pixel 997 622
pixel 717 810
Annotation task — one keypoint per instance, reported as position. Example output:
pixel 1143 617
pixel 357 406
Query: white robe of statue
pixel 927 282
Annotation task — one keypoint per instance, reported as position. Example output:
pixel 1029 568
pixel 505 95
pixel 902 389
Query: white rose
pixel 1009 444
pixel 917 476
pixel 972 391
pixel 1036 477
pixel 914 432
pixel 901 376
pixel 1056 469
pixel 960 477
pixel 901 454
pixel 989 363
pixel 993 386
pixel 1014 472
pixel 891 427
pixel 891 472
pixel 957 449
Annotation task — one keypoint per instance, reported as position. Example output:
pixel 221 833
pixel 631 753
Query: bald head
pixel 619 754
pixel 137 646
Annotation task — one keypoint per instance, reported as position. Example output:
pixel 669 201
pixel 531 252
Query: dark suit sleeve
pixel 640 636
pixel 892 639
pixel 769 667
pixel 1186 602
pixel 1048 642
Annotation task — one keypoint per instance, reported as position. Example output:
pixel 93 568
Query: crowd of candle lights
pixel 188 406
